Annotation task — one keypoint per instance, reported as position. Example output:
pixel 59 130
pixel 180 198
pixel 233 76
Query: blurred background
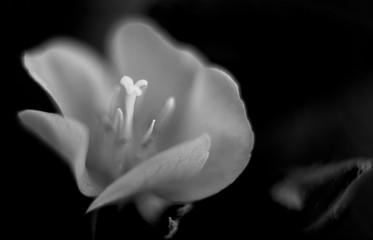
pixel 305 69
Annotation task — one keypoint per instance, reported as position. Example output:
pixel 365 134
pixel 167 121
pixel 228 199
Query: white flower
pixel 179 136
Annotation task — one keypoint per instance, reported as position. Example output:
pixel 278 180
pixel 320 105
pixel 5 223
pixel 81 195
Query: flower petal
pixel 172 166
pixel 69 138
pixel 141 51
pixel 215 107
pixel 73 76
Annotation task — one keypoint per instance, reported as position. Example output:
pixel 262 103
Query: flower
pixel 179 136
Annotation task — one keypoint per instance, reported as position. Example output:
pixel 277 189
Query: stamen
pixel 118 121
pixel 132 90
pixel 148 134
pixel 167 112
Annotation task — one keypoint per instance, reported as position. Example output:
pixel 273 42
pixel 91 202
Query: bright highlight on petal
pixel 173 165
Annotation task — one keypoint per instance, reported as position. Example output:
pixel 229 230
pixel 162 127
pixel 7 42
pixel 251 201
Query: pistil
pixel 132 91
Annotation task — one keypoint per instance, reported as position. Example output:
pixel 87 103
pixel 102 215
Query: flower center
pixel 126 148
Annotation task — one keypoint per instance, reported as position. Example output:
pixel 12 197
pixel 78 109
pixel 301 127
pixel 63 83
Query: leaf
pixel 321 193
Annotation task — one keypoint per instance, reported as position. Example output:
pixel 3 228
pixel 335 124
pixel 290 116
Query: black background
pixel 305 70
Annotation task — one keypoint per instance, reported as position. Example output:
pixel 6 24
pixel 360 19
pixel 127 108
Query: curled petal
pixel 215 107
pixel 69 138
pixel 73 76
pixel 165 170
pixel 142 51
